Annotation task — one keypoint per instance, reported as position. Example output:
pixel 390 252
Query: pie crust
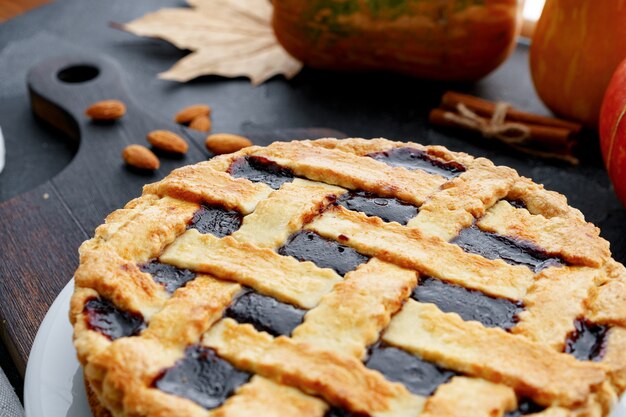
pixel 321 364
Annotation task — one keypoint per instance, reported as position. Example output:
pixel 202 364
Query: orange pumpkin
pixel 575 49
pixel 439 39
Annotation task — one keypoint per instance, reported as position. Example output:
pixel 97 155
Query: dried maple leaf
pixel 231 38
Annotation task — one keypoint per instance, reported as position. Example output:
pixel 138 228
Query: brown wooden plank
pixel 12 8
pixel 38 247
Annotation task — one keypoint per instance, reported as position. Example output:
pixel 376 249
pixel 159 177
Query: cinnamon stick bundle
pixel 541 136
pixel 486 108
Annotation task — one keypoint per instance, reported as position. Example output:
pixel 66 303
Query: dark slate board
pixel 366 105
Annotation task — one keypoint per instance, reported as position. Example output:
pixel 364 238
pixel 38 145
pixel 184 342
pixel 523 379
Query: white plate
pixel 54 380
pixel 1 151
pixel 53 385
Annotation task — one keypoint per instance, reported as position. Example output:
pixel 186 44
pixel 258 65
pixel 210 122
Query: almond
pixel 201 123
pixel 106 110
pixel 221 143
pixel 167 141
pixel 187 114
pixel 140 157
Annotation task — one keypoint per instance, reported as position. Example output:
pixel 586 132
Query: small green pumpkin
pixel 439 39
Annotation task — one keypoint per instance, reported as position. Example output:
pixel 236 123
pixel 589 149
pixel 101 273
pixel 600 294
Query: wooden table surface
pixel 365 105
pixel 12 8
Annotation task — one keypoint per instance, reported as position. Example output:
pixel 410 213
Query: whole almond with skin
pixel 140 157
pixel 221 143
pixel 167 141
pixel 187 114
pixel 106 110
pixel 201 123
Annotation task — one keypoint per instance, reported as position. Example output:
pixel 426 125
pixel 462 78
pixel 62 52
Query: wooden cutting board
pixel 42 229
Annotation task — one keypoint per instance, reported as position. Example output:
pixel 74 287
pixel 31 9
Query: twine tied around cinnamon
pixel 536 135
pixel 496 127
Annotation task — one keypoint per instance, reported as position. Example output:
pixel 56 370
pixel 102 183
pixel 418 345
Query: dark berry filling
pixel 388 209
pixel 514 252
pixel 412 158
pixel 307 245
pixel 202 377
pixel 525 406
pixel 419 376
pixel 169 276
pixel 106 318
pixel 587 342
pixel 340 412
pixel 259 169
pixel 265 313
pixel 520 204
pixel 469 304
pixel 216 220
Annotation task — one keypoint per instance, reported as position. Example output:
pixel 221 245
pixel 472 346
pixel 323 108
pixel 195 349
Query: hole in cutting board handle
pixel 75 74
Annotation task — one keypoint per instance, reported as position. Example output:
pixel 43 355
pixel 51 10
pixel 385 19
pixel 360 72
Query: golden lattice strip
pixel 607 302
pixel 109 269
pixel 430 255
pixel 158 403
pixel 265 397
pixel 606 305
pixel 350 318
pixel 577 242
pixel 531 369
pixel 223 162
pixel 143 231
pixel 86 341
pixel 470 397
pixel 346 320
pixel 363 147
pixel 538 200
pixel 120 281
pixel 614 357
pixel 125 215
pixel 341 380
pixel 353 172
pixel 285 211
pixel 553 303
pixel 463 199
pixel 197 305
pixel 202 184
pixel 282 277
pixel 128 368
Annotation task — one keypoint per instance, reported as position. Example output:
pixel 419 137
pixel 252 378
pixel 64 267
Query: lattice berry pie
pixel 349 278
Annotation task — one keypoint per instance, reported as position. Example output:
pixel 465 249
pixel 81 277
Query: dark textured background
pixel 366 105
